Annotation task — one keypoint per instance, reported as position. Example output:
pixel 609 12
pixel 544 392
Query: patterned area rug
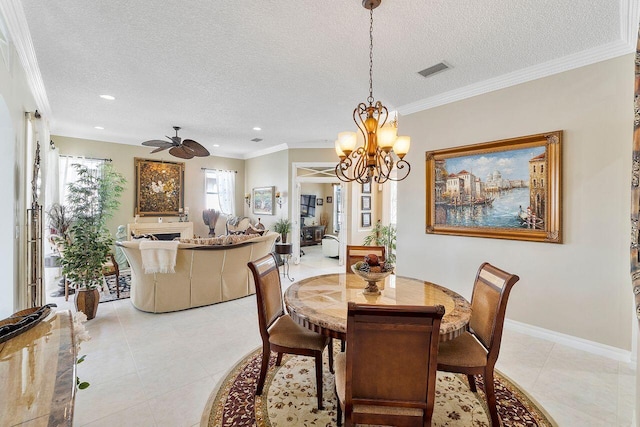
pixel 289 399
pixel 124 284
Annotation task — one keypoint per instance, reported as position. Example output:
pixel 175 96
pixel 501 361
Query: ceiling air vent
pixel 256 139
pixel 434 69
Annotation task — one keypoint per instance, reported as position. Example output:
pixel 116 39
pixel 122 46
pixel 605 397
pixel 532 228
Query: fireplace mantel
pixel 184 228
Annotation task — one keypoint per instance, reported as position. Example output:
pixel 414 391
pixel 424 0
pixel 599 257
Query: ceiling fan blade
pixel 181 152
pixel 157 150
pixel 157 143
pixel 197 148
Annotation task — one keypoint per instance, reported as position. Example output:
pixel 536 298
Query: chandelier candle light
pixel 374 151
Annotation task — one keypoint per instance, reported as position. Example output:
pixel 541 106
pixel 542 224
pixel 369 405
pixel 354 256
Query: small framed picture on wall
pixel 366 188
pixel 319 202
pixel 366 203
pixel 366 219
pixel 329 199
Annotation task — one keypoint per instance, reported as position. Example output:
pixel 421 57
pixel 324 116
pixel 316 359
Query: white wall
pixel 582 287
pixel 266 171
pixel 15 100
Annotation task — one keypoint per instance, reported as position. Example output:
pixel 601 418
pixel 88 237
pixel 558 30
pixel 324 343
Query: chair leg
pixel 343 345
pixel 331 355
pixel 266 353
pixel 472 382
pixel 319 378
pixel 339 408
pixel 490 392
pixel 279 359
pixel 118 285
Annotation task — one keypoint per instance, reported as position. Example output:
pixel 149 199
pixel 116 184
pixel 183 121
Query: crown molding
pixel 629 16
pixel 269 150
pixel 21 38
pixel 570 62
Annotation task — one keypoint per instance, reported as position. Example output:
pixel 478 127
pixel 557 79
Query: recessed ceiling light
pixel 98 127
pixel 216 145
pixel 109 97
pixel 257 128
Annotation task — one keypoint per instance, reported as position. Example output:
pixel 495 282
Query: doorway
pixel 314 176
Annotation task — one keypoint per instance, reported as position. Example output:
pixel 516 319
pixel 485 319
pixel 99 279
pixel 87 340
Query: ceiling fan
pixel 186 149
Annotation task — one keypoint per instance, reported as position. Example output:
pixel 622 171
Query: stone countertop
pixel 37 373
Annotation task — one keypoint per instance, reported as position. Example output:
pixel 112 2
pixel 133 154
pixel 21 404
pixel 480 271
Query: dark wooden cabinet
pixel 311 235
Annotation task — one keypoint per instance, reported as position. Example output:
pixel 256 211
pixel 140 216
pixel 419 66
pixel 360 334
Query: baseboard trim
pixel 570 341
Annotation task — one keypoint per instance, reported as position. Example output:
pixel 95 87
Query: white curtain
pixel 52 184
pixel 68 173
pixel 226 191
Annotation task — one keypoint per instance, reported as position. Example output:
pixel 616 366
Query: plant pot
pixel 87 302
pixel 283 237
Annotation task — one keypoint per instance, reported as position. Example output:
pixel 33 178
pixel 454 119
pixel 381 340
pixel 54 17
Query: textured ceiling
pixel 295 68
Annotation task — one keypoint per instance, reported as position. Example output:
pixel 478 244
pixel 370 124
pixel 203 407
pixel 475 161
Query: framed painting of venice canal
pixel 508 189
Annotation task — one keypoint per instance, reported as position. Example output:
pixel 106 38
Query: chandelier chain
pixel 370 98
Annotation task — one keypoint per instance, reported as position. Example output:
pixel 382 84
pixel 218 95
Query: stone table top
pixel 37 373
pixel 320 302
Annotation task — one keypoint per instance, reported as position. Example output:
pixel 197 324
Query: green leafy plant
pixel 81 384
pixel 283 226
pixel 91 200
pixel 383 236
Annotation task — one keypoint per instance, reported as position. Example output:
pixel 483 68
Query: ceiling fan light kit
pixel 375 152
pixel 184 149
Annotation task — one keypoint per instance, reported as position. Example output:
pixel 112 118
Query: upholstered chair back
pixel 391 362
pixel 357 253
pixel 268 291
pixel 489 304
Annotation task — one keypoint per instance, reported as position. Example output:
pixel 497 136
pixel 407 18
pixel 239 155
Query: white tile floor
pixel 159 369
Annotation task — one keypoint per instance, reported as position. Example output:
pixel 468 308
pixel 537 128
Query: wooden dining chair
pixel 279 332
pixel 388 373
pixel 357 253
pixel 475 352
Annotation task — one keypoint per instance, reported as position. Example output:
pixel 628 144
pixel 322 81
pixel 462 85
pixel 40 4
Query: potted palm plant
pixel 283 226
pixel 91 200
pixel 383 236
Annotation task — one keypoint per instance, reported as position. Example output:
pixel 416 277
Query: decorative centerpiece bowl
pixel 372 279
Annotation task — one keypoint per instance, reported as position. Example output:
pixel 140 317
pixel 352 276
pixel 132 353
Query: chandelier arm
pixel 401 165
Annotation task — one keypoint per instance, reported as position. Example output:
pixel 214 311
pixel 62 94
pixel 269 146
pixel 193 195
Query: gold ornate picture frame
pixel 507 189
pixel 159 187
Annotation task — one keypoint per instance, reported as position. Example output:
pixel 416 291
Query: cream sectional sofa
pixel 204 274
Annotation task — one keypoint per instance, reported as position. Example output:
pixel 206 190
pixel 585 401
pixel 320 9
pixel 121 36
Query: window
pixel 219 191
pixel 541 168
pixel 212 200
pixel 68 172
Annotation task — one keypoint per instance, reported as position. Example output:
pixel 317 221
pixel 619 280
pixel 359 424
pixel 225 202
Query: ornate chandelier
pixel 375 152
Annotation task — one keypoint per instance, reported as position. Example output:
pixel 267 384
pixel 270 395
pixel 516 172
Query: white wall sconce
pixel 279 199
pixel 247 199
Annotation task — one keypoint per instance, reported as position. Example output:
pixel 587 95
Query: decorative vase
pixel 283 237
pixel 87 302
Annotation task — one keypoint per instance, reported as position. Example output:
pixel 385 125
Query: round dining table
pixel 320 302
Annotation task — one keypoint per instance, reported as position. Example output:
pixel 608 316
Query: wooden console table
pixel 311 235
pixel 38 374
